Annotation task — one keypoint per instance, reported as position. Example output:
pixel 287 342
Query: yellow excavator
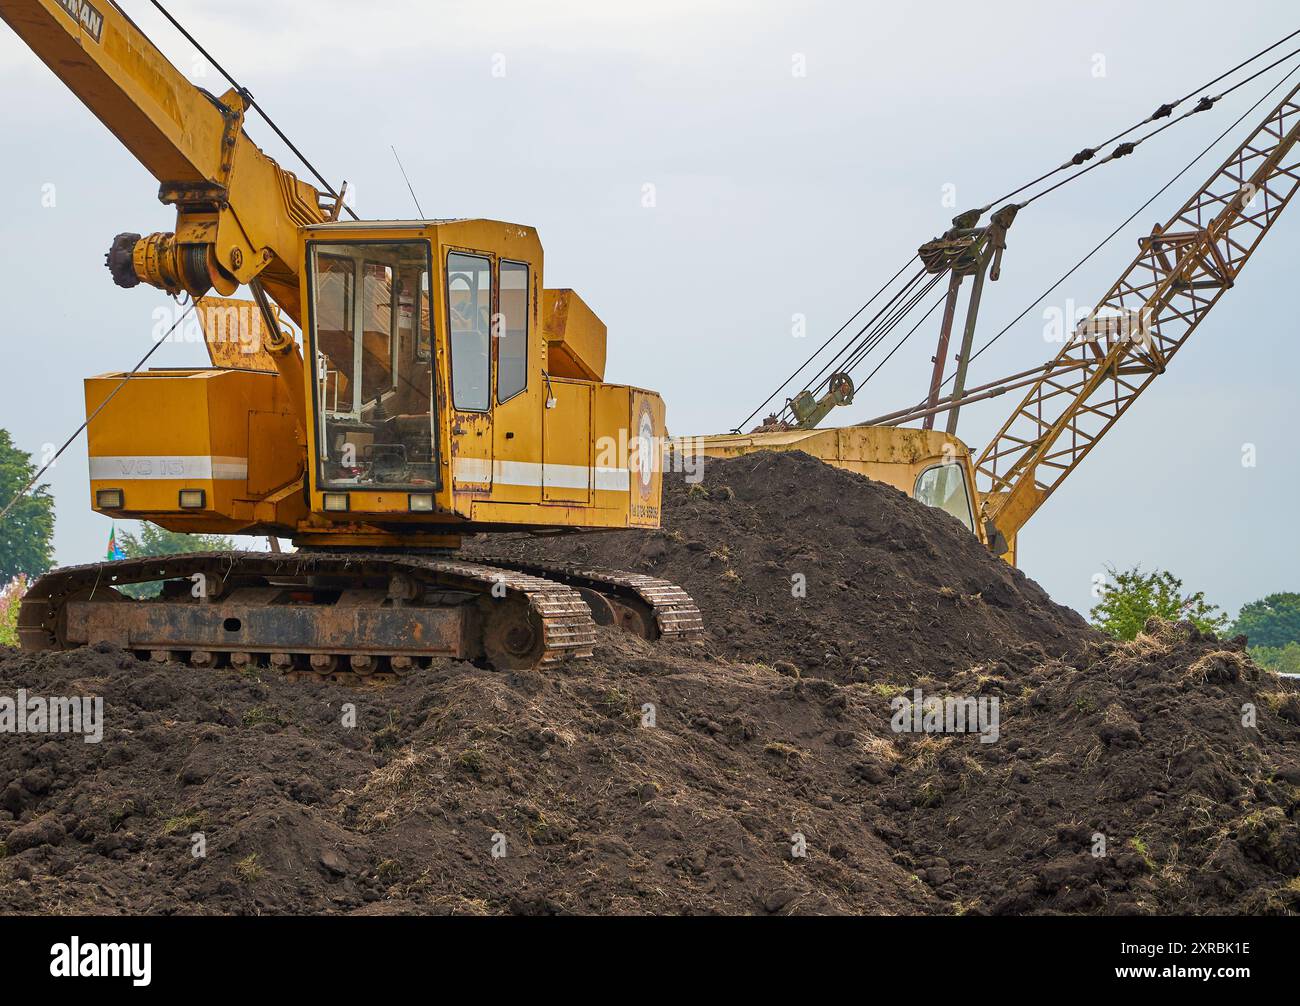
pixel 1069 403
pixel 441 390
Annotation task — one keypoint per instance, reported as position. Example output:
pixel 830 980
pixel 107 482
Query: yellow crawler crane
pixel 444 392
pixel 1069 403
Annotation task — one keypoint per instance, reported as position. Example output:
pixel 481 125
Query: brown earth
pixel 776 728
pixel 1141 751
pixel 893 588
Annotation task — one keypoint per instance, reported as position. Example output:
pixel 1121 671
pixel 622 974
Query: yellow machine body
pixel 432 408
pixel 495 413
pixel 225 434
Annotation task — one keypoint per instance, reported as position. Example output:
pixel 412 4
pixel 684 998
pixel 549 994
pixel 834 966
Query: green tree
pixel 1131 597
pixel 1283 659
pixel 11 598
pixel 27 533
pixel 154 540
pixel 1273 621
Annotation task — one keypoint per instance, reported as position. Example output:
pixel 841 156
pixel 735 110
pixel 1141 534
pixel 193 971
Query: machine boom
pixel 1179 274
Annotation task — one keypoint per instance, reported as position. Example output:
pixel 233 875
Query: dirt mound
pixel 890 588
pixel 1158 776
pixel 774 768
pixel 594 809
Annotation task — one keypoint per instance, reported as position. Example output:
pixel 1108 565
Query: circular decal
pixel 644 461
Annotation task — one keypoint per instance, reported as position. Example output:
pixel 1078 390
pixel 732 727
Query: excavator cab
pixel 440 391
pixel 372 343
pixel 449 392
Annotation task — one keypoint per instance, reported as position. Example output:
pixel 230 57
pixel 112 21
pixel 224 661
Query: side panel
pixel 471 449
pixel 273 457
pixel 517 451
pixel 645 457
pixel 567 445
pixel 154 438
pixel 517 424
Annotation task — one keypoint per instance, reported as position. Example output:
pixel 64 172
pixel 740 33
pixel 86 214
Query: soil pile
pixel 791 560
pixel 1152 777
pixel 458 790
pixel 771 769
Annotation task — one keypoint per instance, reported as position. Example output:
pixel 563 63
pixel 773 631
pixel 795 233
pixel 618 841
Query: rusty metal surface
pixel 468 588
pixel 302 628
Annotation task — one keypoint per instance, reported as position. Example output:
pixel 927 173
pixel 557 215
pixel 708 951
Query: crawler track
pixel 652 607
pixel 312 613
pixel 348 616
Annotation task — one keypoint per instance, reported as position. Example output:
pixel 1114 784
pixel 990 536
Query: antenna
pixel 414 197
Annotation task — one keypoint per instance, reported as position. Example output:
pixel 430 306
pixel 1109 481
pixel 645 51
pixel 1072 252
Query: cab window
pixel 333 289
pixel 944 486
pixel 469 310
pixel 376 330
pixel 374 403
pixel 512 331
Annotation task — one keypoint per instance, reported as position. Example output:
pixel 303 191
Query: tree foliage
pixel 1131 596
pixel 1271 622
pixel 11 597
pixel 1283 659
pixel 154 540
pixel 27 534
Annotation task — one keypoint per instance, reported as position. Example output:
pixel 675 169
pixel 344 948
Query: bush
pixel 1130 597
pixel 11 596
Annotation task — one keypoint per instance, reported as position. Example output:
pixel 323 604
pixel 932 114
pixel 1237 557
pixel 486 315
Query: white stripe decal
pixel 195 467
pixel 616 479
pixel 472 469
pixel 562 477
pixel 534 475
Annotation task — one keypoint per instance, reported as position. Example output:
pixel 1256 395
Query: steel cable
pixel 1164 111
pixel 1131 217
pixel 260 110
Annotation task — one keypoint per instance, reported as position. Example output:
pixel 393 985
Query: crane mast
pixel 1181 270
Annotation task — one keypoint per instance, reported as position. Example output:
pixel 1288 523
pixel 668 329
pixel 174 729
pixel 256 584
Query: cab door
pixel 519 385
pixel 470 307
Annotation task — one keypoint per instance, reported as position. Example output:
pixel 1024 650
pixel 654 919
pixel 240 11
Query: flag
pixel 114 549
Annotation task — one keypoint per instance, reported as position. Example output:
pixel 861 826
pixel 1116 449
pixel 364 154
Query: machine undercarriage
pixel 358 617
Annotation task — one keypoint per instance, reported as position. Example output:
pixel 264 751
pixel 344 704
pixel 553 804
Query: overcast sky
pixel 798 154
